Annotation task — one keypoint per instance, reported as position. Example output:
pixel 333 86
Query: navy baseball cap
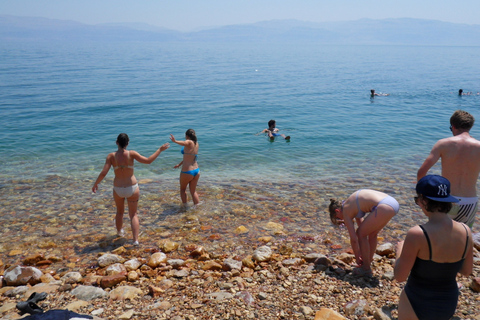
pixel 436 188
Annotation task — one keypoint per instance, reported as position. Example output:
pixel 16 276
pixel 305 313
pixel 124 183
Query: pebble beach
pixel 250 250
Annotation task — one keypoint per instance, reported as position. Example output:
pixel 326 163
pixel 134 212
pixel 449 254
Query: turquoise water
pixel 63 104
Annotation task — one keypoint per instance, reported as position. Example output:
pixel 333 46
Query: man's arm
pixel 430 161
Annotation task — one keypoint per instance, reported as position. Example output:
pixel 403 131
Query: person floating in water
pixel 461 93
pixel 272 131
pixel 373 94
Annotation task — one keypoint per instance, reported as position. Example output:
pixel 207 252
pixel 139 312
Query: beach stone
pixel 246 297
pixel 261 254
pixel 157 259
pixel 212 266
pixel 6 307
pixel 273 226
pixel 386 250
pixel 97 312
pixel 42 287
pixel 127 315
pixel 323 260
pixel 220 296
pixel 356 308
pixel 241 230
pixel 248 262
pixel 475 284
pixel 47 278
pixel 265 239
pixel 16 291
pixel 231 264
pixel 328 314
pixel 73 306
pixel 110 281
pixel 165 284
pixel 71 278
pixel 181 273
pixel 33 259
pixel 132 264
pixel 115 268
pixel 120 250
pixel 125 292
pixel 175 263
pixel 311 257
pixel 168 246
pixel 19 275
pixel 379 314
pixel 292 262
pixel 109 259
pixel 307 311
pixel 155 291
pixel 133 276
pixel 88 293
pixel 346 257
pixel 91 279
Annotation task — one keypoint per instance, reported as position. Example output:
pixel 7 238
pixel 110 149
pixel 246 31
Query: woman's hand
pixel 172 138
pixel 165 146
pixel 95 188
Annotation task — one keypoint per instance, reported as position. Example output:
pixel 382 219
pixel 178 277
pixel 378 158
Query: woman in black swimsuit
pixel 432 255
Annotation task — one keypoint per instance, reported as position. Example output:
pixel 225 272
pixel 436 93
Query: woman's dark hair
pixel 271 123
pixel 191 134
pixel 432 205
pixel 123 140
pixel 334 205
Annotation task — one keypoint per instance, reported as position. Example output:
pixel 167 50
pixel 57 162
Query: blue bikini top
pixel 183 152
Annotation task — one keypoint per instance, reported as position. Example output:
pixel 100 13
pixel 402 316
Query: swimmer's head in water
pixel 271 124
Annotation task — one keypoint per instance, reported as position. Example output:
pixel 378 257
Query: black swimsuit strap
pixel 466 244
pixel 428 240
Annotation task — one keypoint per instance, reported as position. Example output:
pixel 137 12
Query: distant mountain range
pixel 404 31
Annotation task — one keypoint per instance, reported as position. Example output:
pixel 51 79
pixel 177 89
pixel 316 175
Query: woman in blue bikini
pixel 190 171
pixel 125 184
pixel 381 208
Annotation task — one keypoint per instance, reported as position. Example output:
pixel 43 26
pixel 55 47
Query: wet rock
pixel 155 291
pixel 33 259
pixel 241 230
pixel 88 293
pixel 292 262
pixel 328 314
pixel 273 226
pixel 248 262
pixel 306 311
pixel 168 246
pixel 311 257
pixel 346 258
pixel 157 259
pixel 109 259
pixel 261 254
pixel 19 275
pixel 125 292
pixel 71 278
pixel 323 261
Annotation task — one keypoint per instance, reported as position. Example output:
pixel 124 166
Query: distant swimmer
pixel 373 94
pixel 461 93
pixel 272 131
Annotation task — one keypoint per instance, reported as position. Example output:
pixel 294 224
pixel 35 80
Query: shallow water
pixel 62 106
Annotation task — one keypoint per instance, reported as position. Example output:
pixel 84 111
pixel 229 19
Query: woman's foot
pixel 121 233
pixel 360 272
pixel 287 138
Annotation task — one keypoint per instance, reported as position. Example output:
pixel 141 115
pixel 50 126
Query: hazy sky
pixel 186 15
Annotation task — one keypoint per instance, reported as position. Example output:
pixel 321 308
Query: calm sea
pixel 62 106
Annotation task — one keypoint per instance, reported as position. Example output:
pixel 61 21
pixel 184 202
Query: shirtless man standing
pixel 460 156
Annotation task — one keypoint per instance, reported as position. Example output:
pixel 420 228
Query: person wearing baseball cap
pixel 432 255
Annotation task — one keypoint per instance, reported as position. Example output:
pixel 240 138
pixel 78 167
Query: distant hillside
pixel 365 31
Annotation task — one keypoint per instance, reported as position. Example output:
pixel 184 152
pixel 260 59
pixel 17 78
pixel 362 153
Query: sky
pixel 189 15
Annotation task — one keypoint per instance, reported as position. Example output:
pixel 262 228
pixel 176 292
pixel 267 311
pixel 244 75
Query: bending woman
pixel 125 184
pixel 381 208
pixel 432 255
pixel 190 171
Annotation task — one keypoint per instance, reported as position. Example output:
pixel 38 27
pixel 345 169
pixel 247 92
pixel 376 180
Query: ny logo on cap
pixel 442 190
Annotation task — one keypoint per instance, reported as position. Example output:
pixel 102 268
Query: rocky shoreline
pixel 248 252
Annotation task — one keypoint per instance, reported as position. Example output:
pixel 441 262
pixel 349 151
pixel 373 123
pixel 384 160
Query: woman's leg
pixel 193 189
pixel 132 212
pixel 185 179
pixel 120 204
pixel 405 310
pixel 367 232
